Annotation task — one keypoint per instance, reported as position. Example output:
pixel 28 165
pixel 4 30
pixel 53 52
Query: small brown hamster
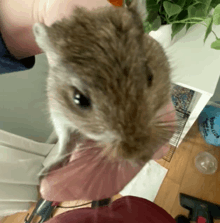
pixel 107 81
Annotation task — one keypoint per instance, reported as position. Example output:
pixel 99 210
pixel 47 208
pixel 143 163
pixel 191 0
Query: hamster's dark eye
pixel 150 79
pixel 149 76
pixel 81 100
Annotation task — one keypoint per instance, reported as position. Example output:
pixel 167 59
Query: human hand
pixel 18 16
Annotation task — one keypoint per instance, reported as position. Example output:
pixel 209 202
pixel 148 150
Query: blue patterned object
pixel 209 124
pixel 181 98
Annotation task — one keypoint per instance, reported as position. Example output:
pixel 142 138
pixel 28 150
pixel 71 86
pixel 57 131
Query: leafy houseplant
pixel 183 13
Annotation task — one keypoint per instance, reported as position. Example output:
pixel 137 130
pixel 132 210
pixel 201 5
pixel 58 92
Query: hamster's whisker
pixel 165 132
pixel 171 123
pixel 164 139
pixel 61 159
pixel 102 182
pixel 166 125
pixel 123 169
pixel 90 182
pixel 160 116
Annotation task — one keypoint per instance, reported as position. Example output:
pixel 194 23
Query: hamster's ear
pixel 42 39
pixel 138 6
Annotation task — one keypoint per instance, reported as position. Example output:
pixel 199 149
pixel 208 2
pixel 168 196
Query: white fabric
pixel 147 182
pixel 20 161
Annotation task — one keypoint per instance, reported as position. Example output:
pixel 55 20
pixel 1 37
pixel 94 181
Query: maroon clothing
pixel 128 209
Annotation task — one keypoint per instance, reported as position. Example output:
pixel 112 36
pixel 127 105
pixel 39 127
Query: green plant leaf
pixel 209 29
pixel 128 2
pixel 188 25
pixel 209 10
pixel 214 3
pixel 206 4
pixel 191 11
pixel 182 15
pixel 208 20
pixel 176 28
pixel 217 9
pixel 147 27
pixel 216 19
pixel 156 24
pixel 152 16
pixel 216 15
pixel 171 9
pixel 181 3
pixel 197 11
pixel 216 45
pixel 152 5
pixel 188 3
pixel 201 10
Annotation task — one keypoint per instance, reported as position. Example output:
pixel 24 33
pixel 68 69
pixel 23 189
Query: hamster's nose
pixel 131 150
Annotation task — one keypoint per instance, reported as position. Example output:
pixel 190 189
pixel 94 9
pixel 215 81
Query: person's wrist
pixel 17 19
pixel 16 23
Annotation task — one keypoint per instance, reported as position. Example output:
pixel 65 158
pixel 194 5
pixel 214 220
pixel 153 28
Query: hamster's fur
pixel 107 80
